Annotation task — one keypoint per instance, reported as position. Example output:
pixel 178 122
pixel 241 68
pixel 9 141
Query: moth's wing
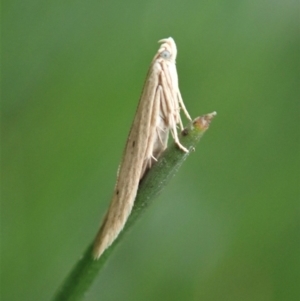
pixel 131 168
pixel 158 133
pixel 147 139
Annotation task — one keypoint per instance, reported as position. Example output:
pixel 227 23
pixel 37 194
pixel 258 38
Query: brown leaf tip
pixel 203 122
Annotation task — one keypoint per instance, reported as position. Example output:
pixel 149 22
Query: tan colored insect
pixel 156 115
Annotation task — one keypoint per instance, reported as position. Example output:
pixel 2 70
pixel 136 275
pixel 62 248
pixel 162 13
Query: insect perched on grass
pixel 158 113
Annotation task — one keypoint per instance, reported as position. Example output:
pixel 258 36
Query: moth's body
pixel 156 115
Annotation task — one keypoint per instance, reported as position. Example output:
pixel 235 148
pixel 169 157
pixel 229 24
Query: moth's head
pixel 167 50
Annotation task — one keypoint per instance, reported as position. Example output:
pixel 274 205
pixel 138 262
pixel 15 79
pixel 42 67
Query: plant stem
pixel 85 271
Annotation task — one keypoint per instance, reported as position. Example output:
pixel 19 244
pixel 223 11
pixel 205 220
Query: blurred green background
pixel 227 226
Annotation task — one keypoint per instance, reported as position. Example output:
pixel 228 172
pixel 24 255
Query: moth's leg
pixel 172 126
pixel 176 95
pixel 176 139
pixel 172 115
pixel 180 123
pixel 171 76
pixel 183 106
pixel 169 101
pixel 153 158
pixel 158 134
pixel 162 142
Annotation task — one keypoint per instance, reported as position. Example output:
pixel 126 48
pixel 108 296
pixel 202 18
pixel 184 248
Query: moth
pixel 158 113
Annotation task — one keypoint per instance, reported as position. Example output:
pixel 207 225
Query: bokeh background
pixel 227 226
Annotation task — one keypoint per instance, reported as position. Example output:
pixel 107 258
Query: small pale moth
pixel 158 113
